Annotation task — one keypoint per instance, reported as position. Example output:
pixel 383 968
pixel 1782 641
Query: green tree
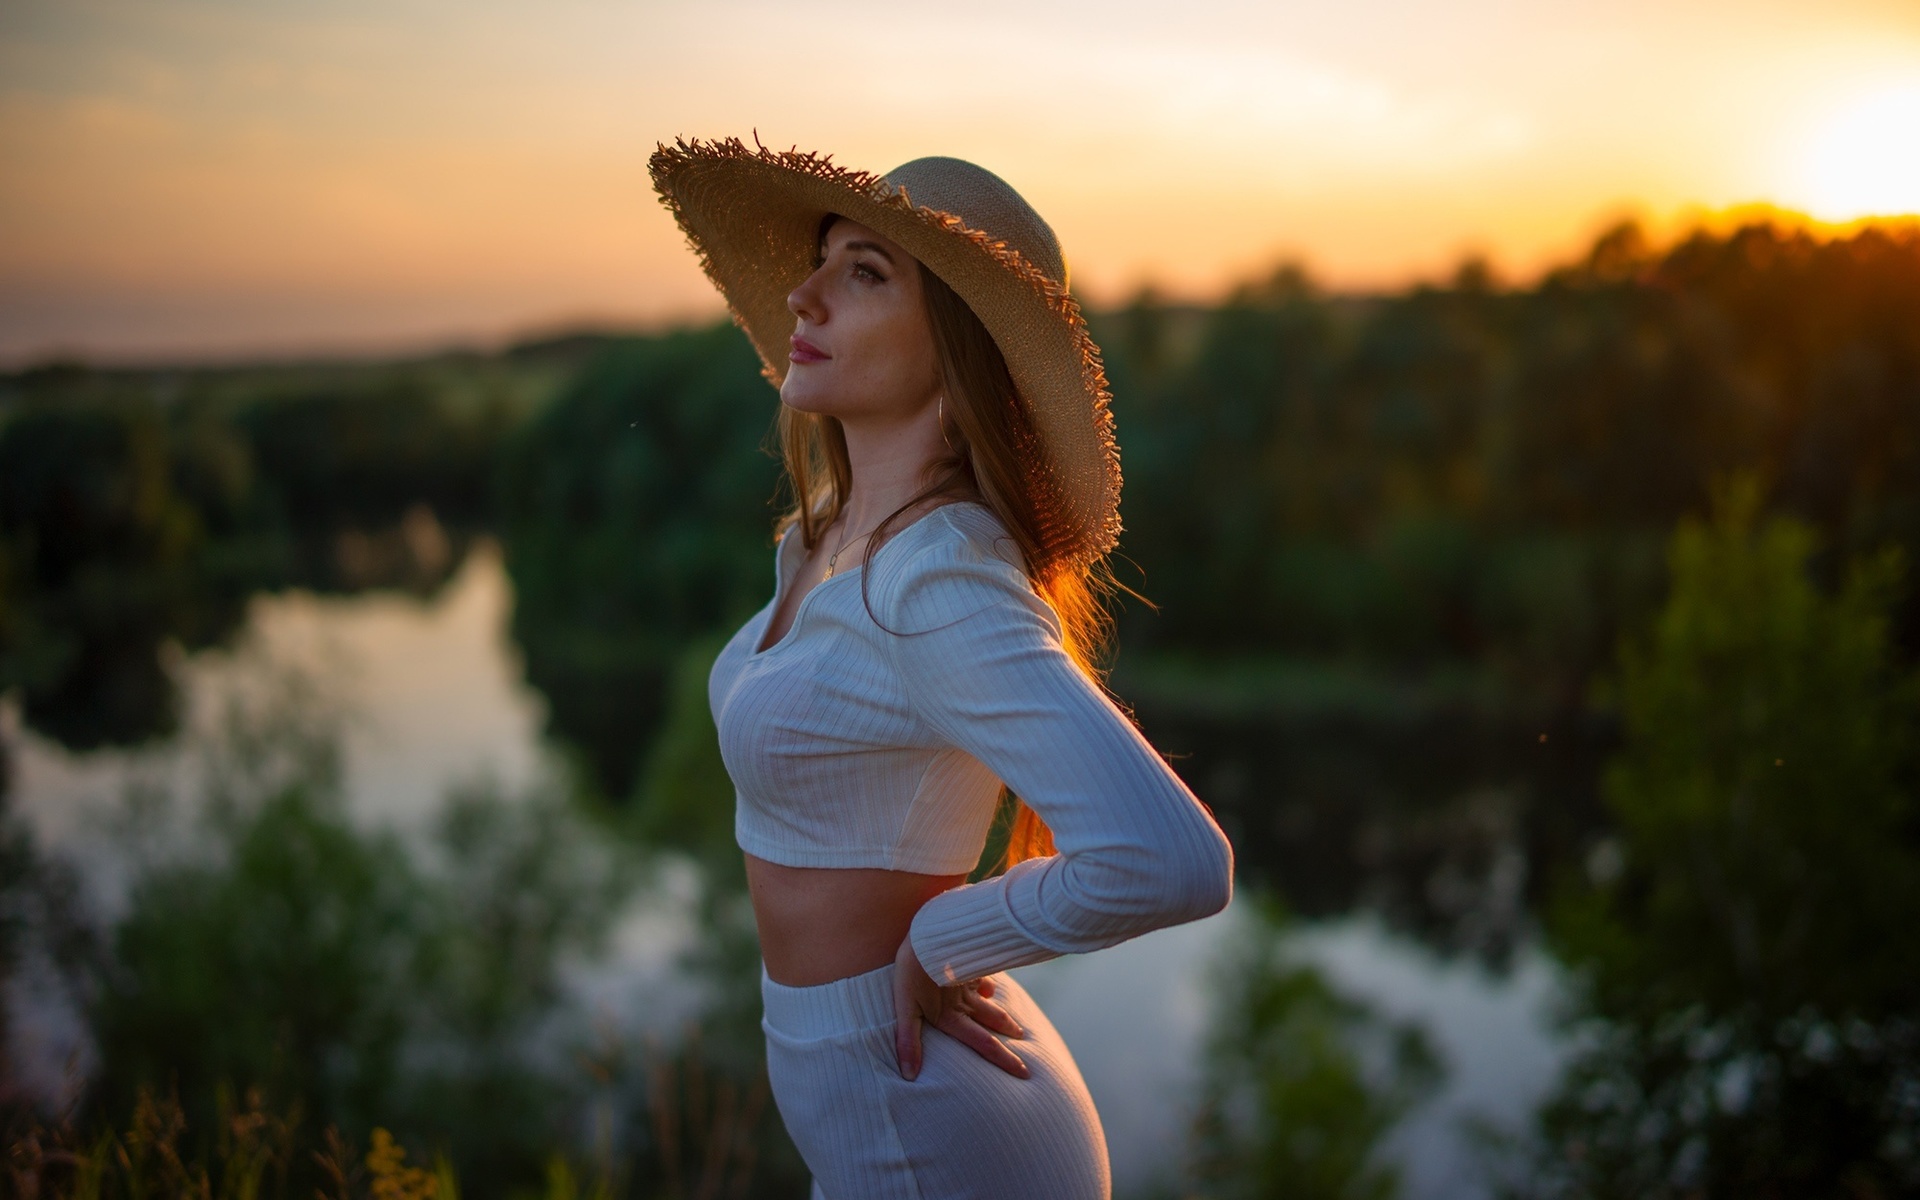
pixel 1747 944
pixel 636 512
pixel 684 798
pixel 350 977
pixel 96 551
pixel 1301 1083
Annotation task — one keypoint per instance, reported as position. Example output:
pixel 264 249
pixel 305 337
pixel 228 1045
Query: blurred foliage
pixel 44 938
pixel 1421 520
pixel 140 509
pixel 684 799
pixel 346 976
pixel 259 1154
pixel 96 565
pixel 254 1152
pixel 635 511
pixel 1460 476
pixel 1485 474
pixel 1417 804
pixel 1300 1084
pixel 684 803
pixel 346 979
pixel 1449 480
pixel 1748 942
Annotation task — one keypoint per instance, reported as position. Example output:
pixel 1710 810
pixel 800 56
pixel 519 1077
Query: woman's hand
pixel 964 1013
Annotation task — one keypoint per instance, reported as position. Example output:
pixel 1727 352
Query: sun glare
pixel 1866 161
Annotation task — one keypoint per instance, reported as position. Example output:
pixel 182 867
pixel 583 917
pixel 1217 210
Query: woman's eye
pixel 867 273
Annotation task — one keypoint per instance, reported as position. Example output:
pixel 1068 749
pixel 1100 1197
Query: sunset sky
pixel 237 177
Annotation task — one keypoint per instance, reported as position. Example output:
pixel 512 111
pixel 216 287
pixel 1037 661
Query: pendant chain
pixel 835 556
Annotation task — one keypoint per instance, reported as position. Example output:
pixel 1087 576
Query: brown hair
pixel 994 456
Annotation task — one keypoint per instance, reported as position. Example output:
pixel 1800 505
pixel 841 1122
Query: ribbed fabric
pixel 880 739
pixel 962 1130
pixel 831 766
pixel 847 1005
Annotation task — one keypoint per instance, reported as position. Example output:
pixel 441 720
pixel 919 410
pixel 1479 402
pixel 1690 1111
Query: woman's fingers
pixel 906 1027
pixel 906 1043
pixel 963 1013
pixel 969 1033
pixel 994 1017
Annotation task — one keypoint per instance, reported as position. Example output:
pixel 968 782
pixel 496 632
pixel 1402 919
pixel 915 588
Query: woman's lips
pixel 806 352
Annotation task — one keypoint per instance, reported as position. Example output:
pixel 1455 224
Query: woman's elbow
pixel 1208 876
pixel 1193 879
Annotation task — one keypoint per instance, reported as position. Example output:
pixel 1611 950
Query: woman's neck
pixel 889 466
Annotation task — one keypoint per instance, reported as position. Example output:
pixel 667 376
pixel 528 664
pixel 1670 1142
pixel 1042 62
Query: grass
pixel 705 1126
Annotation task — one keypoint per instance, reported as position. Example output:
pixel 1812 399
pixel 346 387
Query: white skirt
pixel 963 1129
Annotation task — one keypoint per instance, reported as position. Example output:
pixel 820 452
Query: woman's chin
pixel 802 397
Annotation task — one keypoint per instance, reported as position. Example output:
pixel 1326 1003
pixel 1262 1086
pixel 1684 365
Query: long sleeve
pixel 981 659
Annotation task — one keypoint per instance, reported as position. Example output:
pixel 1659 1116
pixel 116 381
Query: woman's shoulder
pixel 945 566
pixel 959 531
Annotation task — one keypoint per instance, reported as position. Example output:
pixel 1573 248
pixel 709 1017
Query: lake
pixel 1429 932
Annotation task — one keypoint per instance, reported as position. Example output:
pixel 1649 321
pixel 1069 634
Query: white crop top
pixel 853 746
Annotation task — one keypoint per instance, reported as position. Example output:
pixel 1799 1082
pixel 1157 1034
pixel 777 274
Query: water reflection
pixel 422 693
pixel 1423 807
pixel 341 974
pixel 426 977
pixel 1301 1083
pixel 138 514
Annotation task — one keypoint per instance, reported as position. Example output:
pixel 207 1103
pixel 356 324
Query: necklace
pixel 835 556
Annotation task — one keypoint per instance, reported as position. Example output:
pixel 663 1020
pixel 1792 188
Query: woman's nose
pixel 806 301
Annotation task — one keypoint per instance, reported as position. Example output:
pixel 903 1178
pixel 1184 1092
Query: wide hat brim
pixel 753 218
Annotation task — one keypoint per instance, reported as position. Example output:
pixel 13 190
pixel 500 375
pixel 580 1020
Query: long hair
pixel 993 455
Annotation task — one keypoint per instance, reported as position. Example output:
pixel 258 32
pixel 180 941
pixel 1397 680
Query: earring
pixel 940 415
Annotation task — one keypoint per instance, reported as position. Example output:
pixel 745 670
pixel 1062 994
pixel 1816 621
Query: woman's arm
pixel 981 658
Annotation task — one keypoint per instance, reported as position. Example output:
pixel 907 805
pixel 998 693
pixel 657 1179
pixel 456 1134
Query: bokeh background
pixel 1520 408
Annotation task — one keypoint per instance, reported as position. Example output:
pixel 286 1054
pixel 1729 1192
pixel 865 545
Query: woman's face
pixel 862 347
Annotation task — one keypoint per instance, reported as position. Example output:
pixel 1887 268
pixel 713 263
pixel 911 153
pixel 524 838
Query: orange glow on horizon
pixel 210 178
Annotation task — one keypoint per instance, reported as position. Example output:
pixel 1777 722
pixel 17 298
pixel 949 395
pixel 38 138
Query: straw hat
pixel 753 216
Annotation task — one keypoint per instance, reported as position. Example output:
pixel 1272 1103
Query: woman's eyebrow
pixel 876 247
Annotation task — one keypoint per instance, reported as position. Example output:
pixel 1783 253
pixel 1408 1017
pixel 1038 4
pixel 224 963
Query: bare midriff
pixel 820 924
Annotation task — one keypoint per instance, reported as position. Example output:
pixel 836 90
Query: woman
pixel 930 638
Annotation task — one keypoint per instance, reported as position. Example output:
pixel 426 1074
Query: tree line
pixel 1404 483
